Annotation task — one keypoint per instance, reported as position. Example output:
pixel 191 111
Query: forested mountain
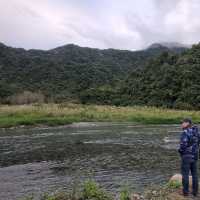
pixel 70 71
pixel 169 80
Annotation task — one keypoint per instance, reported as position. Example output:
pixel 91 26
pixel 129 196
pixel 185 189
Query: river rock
pixel 137 197
pixel 178 177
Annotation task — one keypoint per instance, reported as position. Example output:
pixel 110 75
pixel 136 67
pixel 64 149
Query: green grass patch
pixel 174 184
pixel 125 194
pixel 61 114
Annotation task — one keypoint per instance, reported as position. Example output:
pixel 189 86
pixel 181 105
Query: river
pixel 38 160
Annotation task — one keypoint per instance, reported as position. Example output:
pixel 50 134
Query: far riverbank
pixel 67 113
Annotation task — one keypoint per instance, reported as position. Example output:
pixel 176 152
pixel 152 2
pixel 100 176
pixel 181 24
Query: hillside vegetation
pixel 169 80
pixel 73 73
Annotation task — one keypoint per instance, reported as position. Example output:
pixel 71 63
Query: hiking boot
pixel 185 194
pixel 195 194
pixel 180 192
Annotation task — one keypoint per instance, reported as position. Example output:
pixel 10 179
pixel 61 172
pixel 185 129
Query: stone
pixel 178 177
pixel 136 197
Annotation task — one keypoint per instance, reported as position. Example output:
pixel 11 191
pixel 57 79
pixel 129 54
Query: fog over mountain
pixel 170 45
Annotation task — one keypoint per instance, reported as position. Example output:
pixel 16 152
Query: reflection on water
pixel 41 160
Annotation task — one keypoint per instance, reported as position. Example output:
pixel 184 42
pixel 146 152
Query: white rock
pixel 178 177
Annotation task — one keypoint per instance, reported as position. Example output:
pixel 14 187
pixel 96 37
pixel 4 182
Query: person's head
pixel 186 123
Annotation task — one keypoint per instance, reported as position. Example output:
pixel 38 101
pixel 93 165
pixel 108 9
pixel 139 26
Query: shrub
pixel 26 97
pixel 174 184
pixel 91 191
pixel 125 194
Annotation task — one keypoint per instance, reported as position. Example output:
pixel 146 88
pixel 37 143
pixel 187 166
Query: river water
pixel 38 160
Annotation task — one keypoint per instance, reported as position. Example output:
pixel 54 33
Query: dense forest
pixel 65 72
pixel 156 76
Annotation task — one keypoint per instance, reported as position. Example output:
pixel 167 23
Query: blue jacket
pixel 189 143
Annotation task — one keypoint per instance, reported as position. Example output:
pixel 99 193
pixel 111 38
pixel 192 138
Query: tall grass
pixel 65 113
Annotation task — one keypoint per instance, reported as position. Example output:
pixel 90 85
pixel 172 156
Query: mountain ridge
pixel 66 72
pixel 169 45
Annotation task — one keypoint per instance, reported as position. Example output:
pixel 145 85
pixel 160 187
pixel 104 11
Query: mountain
pixel 169 80
pixel 169 45
pixel 69 71
pixel 173 46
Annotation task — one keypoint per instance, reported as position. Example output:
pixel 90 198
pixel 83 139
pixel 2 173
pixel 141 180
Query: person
pixel 189 152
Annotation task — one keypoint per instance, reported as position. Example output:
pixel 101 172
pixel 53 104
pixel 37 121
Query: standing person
pixel 189 151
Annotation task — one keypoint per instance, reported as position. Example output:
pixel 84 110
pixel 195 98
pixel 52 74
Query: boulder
pixel 178 178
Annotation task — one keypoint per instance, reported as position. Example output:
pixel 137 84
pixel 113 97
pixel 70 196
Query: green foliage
pixel 169 80
pixel 174 184
pixel 153 77
pixel 125 194
pixel 70 73
pixel 91 191
pixel 67 113
pixel 57 196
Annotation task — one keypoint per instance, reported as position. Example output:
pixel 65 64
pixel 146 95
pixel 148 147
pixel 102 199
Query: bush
pixel 91 191
pixel 174 184
pixel 26 97
pixel 125 194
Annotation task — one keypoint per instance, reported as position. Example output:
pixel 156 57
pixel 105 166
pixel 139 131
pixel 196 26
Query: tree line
pixel 155 77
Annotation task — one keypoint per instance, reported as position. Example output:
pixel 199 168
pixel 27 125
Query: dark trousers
pixel 187 166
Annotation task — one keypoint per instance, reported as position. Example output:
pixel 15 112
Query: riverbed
pixel 39 160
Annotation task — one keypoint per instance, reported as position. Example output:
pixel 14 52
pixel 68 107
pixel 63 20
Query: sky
pixel 118 24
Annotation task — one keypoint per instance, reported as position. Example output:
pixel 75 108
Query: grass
pixel 175 184
pixel 66 113
pixel 170 191
pixel 125 194
pixel 92 191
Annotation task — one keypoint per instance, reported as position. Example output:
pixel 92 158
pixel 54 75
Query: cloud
pixel 102 24
pixel 184 23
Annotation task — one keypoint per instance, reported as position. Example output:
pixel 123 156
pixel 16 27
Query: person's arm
pixel 183 143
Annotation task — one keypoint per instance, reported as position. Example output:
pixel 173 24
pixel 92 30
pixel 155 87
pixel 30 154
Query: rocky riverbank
pixel 92 191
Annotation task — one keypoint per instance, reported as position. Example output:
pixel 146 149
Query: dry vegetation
pixel 65 113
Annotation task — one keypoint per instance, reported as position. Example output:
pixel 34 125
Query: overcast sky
pixel 121 24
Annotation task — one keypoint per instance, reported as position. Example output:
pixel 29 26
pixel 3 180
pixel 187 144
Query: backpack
pixel 194 139
pixel 192 136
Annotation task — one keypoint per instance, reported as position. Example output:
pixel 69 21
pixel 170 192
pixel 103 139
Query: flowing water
pixel 38 160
